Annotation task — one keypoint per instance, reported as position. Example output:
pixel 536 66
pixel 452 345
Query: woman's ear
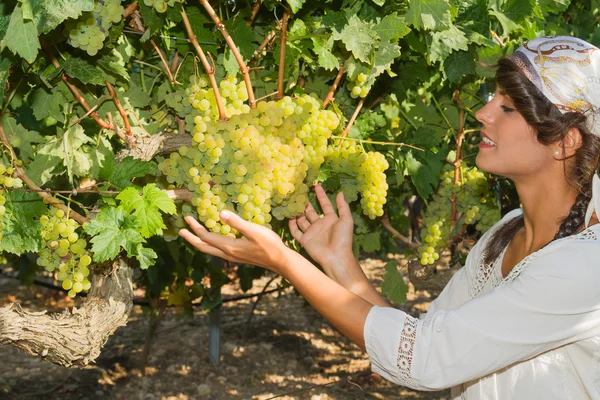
pixel 571 142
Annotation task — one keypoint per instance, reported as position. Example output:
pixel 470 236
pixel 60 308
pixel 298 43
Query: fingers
pixel 302 222
pixel 294 230
pixel 324 200
pixel 343 207
pixel 200 244
pixel 311 213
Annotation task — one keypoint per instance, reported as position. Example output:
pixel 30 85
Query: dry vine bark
pixel 75 337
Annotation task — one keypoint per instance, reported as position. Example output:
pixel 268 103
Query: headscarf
pixel 567 71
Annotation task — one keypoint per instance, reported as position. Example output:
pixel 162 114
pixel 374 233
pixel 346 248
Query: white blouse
pixel 532 335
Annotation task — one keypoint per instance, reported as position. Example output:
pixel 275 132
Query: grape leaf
pixel 205 36
pixel 112 230
pixel 136 96
pixel 424 171
pixel 147 207
pixel 22 36
pixel 296 5
pixel 384 56
pixel 459 65
pixel 487 57
pixel 322 48
pixel 242 35
pixel 359 38
pixel 85 71
pixel 429 14
pixel 153 20
pixel 68 146
pixel 21 138
pixel 48 14
pixel 4 19
pixel 20 223
pixel 114 66
pixel 393 286
pixel 120 175
pixel 40 170
pixel 379 2
pixel 48 104
pixel 147 257
pixel 370 241
pixel 391 28
pixel 445 42
pixel 5 65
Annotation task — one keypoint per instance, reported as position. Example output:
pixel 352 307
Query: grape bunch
pixel 359 87
pixel 64 251
pixel 474 203
pixel 367 168
pixel 257 163
pixel 89 32
pixel 6 181
pixel 161 5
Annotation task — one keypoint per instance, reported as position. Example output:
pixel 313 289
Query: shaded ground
pixel 287 352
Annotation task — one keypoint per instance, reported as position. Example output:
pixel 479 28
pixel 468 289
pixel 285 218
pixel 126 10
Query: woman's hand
pixel 329 238
pixel 259 245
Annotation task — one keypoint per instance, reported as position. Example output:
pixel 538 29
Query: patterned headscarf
pixel 567 71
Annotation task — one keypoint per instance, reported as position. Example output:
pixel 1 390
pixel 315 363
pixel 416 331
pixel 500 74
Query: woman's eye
pixel 507 109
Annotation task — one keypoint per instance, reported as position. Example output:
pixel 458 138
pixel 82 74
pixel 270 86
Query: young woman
pixel 521 320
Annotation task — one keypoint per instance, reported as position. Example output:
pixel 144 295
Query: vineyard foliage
pixel 86 86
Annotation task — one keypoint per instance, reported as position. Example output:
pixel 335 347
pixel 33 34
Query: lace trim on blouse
pixel 405 350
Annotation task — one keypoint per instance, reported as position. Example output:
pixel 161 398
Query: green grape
pixel 64 251
pixel 474 204
pixel 6 181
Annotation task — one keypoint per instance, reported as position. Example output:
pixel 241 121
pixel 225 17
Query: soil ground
pixel 288 351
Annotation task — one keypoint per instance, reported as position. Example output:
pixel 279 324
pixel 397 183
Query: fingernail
pixel 225 215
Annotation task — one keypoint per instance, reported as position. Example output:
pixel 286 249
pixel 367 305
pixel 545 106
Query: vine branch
pixel 336 82
pixel 234 50
pixel 385 222
pixel 255 9
pixel 282 44
pixel 209 69
pixel 122 111
pixel 351 122
pixel 165 64
pixel 262 46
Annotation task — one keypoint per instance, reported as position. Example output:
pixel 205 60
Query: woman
pixel 521 320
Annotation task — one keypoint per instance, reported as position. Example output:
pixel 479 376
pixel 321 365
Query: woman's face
pixel 508 144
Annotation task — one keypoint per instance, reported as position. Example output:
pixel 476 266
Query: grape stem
pixel 210 70
pixel 459 140
pixel 166 65
pixel 23 176
pixel 84 116
pixel 385 222
pixel 255 9
pixel 130 9
pixel 379 143
pixel 262 46
pixel 282 44
pixel 122 112
pixel 267 96
pixel 103 124
pixel 497 38
pixel 351 122
pixel 336 82
pixel 234 50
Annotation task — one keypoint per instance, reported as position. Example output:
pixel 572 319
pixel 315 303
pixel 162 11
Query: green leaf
pixel 459 65
pixel 369 242
pixel 48 14
pixel 393 286
pixel 85 71
pixel 20 223
pixel 487 57
pixel 48 104
pixel 429 14
pixel 359 38
pixel 242 35
pixel 114 66
pixel 136 96
pixel 68 146
pixel 147 257
pixel 445 42
pixel 424 172
pixel 22 37
pixel 384 56
pixel 146 208
pixel 5 65
pixel 111 231
pixel 205 36
pixel 391 28
pixel 120 175
pixel 21 138
pixel 41 169
pixel 152 19
pixel 295 5
pixel 322 48
pixel 379 2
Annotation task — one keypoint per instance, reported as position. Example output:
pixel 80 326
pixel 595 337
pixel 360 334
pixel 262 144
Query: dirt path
pixel 288 351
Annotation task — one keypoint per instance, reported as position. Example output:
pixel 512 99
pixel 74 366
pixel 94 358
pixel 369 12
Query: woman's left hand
pixel 259 246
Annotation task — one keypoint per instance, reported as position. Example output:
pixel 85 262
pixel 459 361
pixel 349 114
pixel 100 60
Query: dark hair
pixel 551 127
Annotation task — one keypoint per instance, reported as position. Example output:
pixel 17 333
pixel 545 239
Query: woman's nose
pixel 484 114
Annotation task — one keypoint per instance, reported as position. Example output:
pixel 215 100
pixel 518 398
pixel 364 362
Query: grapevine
pixel 6 181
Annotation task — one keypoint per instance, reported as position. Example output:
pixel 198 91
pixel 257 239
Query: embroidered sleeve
pixel 405 350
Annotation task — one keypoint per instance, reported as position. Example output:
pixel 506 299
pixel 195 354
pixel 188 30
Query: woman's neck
pixel 545 203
